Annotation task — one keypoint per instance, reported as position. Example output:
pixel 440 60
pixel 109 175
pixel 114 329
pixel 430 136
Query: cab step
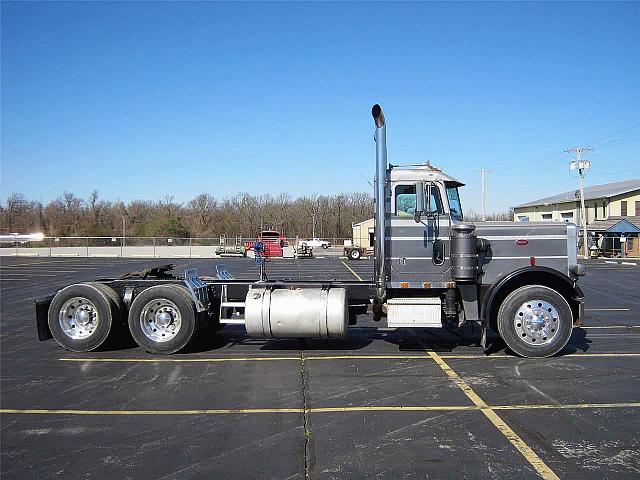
pixel 414 312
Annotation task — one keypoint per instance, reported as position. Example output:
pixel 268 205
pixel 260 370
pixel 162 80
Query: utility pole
pixel 484 194
pixel 313 227
pixel 123 235
pixel 582 167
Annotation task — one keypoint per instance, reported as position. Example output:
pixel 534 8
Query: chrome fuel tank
pixel 296 312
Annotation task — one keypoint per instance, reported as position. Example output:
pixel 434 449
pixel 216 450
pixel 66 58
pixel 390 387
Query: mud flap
pixel 42 320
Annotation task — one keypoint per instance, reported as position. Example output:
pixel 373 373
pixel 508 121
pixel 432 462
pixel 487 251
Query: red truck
pixel 273 242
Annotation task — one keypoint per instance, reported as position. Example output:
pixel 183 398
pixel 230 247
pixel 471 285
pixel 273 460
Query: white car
pixel 316 242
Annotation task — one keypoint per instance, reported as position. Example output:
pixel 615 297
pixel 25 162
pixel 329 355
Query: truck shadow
pixel 577 342
pixel 405 339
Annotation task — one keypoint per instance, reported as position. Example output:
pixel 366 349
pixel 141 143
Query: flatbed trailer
pixel 432 269
pixel 355 252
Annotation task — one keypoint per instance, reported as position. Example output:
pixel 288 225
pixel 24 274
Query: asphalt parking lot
pixel 380 404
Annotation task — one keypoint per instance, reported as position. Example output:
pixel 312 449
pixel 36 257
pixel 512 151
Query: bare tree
pixel 243 214
pixel 203 209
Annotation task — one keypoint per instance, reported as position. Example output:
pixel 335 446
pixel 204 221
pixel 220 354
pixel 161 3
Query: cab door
pixel 418 251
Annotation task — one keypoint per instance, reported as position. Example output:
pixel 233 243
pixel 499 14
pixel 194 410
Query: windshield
pixel 454 202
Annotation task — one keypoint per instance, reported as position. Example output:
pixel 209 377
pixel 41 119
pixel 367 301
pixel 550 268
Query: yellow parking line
pixel 326 357
pixel 392 408
pixel 241 359
pixel 570 355
pixel 363 408
pixel 610 326
pixel 364 357
pixel 543 470
pixel 351 270
pixel 212 411
pixel 178 360
pixel 607 309
pixel 571 406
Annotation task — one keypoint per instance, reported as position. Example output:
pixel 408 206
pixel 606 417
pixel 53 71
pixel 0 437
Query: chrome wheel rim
pixel 78 318
pixel 160 320
pixel 536 322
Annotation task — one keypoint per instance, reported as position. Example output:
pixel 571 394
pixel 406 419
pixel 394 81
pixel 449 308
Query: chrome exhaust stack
pixel 381 171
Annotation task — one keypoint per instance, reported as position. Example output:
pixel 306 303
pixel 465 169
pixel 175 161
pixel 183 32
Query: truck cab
pixel 418 242
pixel 434 269
pixel 436 262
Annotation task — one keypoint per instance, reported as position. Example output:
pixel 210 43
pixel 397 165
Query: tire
pixel 354 254
pixel 170 330
pixel 325 246
pixel 81 316
pixel 119 319
pixel 535 321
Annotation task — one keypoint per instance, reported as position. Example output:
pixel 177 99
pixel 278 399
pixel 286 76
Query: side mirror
pixel 419 202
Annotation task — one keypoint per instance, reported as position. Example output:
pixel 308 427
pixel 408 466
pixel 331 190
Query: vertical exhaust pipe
pixel 381 170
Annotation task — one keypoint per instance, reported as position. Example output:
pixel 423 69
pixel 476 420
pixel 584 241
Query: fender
pixel 564 284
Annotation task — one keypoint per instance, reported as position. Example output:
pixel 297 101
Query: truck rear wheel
pixel 120 308
pixel 535 321
pixel 354 254
pixel 163 318
pixel 81 316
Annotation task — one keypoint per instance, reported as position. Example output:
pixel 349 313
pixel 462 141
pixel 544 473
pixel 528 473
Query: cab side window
pixel 406 200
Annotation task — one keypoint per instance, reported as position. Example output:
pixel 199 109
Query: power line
pixel 483 173
pixel 609 145
pixel 519 174
pixel 615 140
pixel 543 160
pixel 366 179
pixel 593 142
pixel 616 172
pixel 546 160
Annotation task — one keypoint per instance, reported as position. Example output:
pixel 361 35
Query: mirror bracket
pixel 428 210
pixel 419 201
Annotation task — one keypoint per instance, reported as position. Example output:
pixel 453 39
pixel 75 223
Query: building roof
pixel 605 190
pixel 629 224
pixel 363 222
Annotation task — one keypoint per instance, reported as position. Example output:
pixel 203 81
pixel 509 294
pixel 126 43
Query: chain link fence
pixel 150 247
pixel 599 245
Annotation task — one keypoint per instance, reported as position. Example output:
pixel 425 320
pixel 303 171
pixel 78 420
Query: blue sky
pixel 141 100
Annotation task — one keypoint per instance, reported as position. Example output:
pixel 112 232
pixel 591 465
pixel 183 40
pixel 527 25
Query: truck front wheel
pixel 354 254
pixel 535 321
pixel 163 318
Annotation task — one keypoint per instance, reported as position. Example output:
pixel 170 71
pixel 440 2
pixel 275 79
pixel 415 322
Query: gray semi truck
pixel 432 269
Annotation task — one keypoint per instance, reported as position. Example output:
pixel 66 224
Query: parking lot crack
pixel 305 412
